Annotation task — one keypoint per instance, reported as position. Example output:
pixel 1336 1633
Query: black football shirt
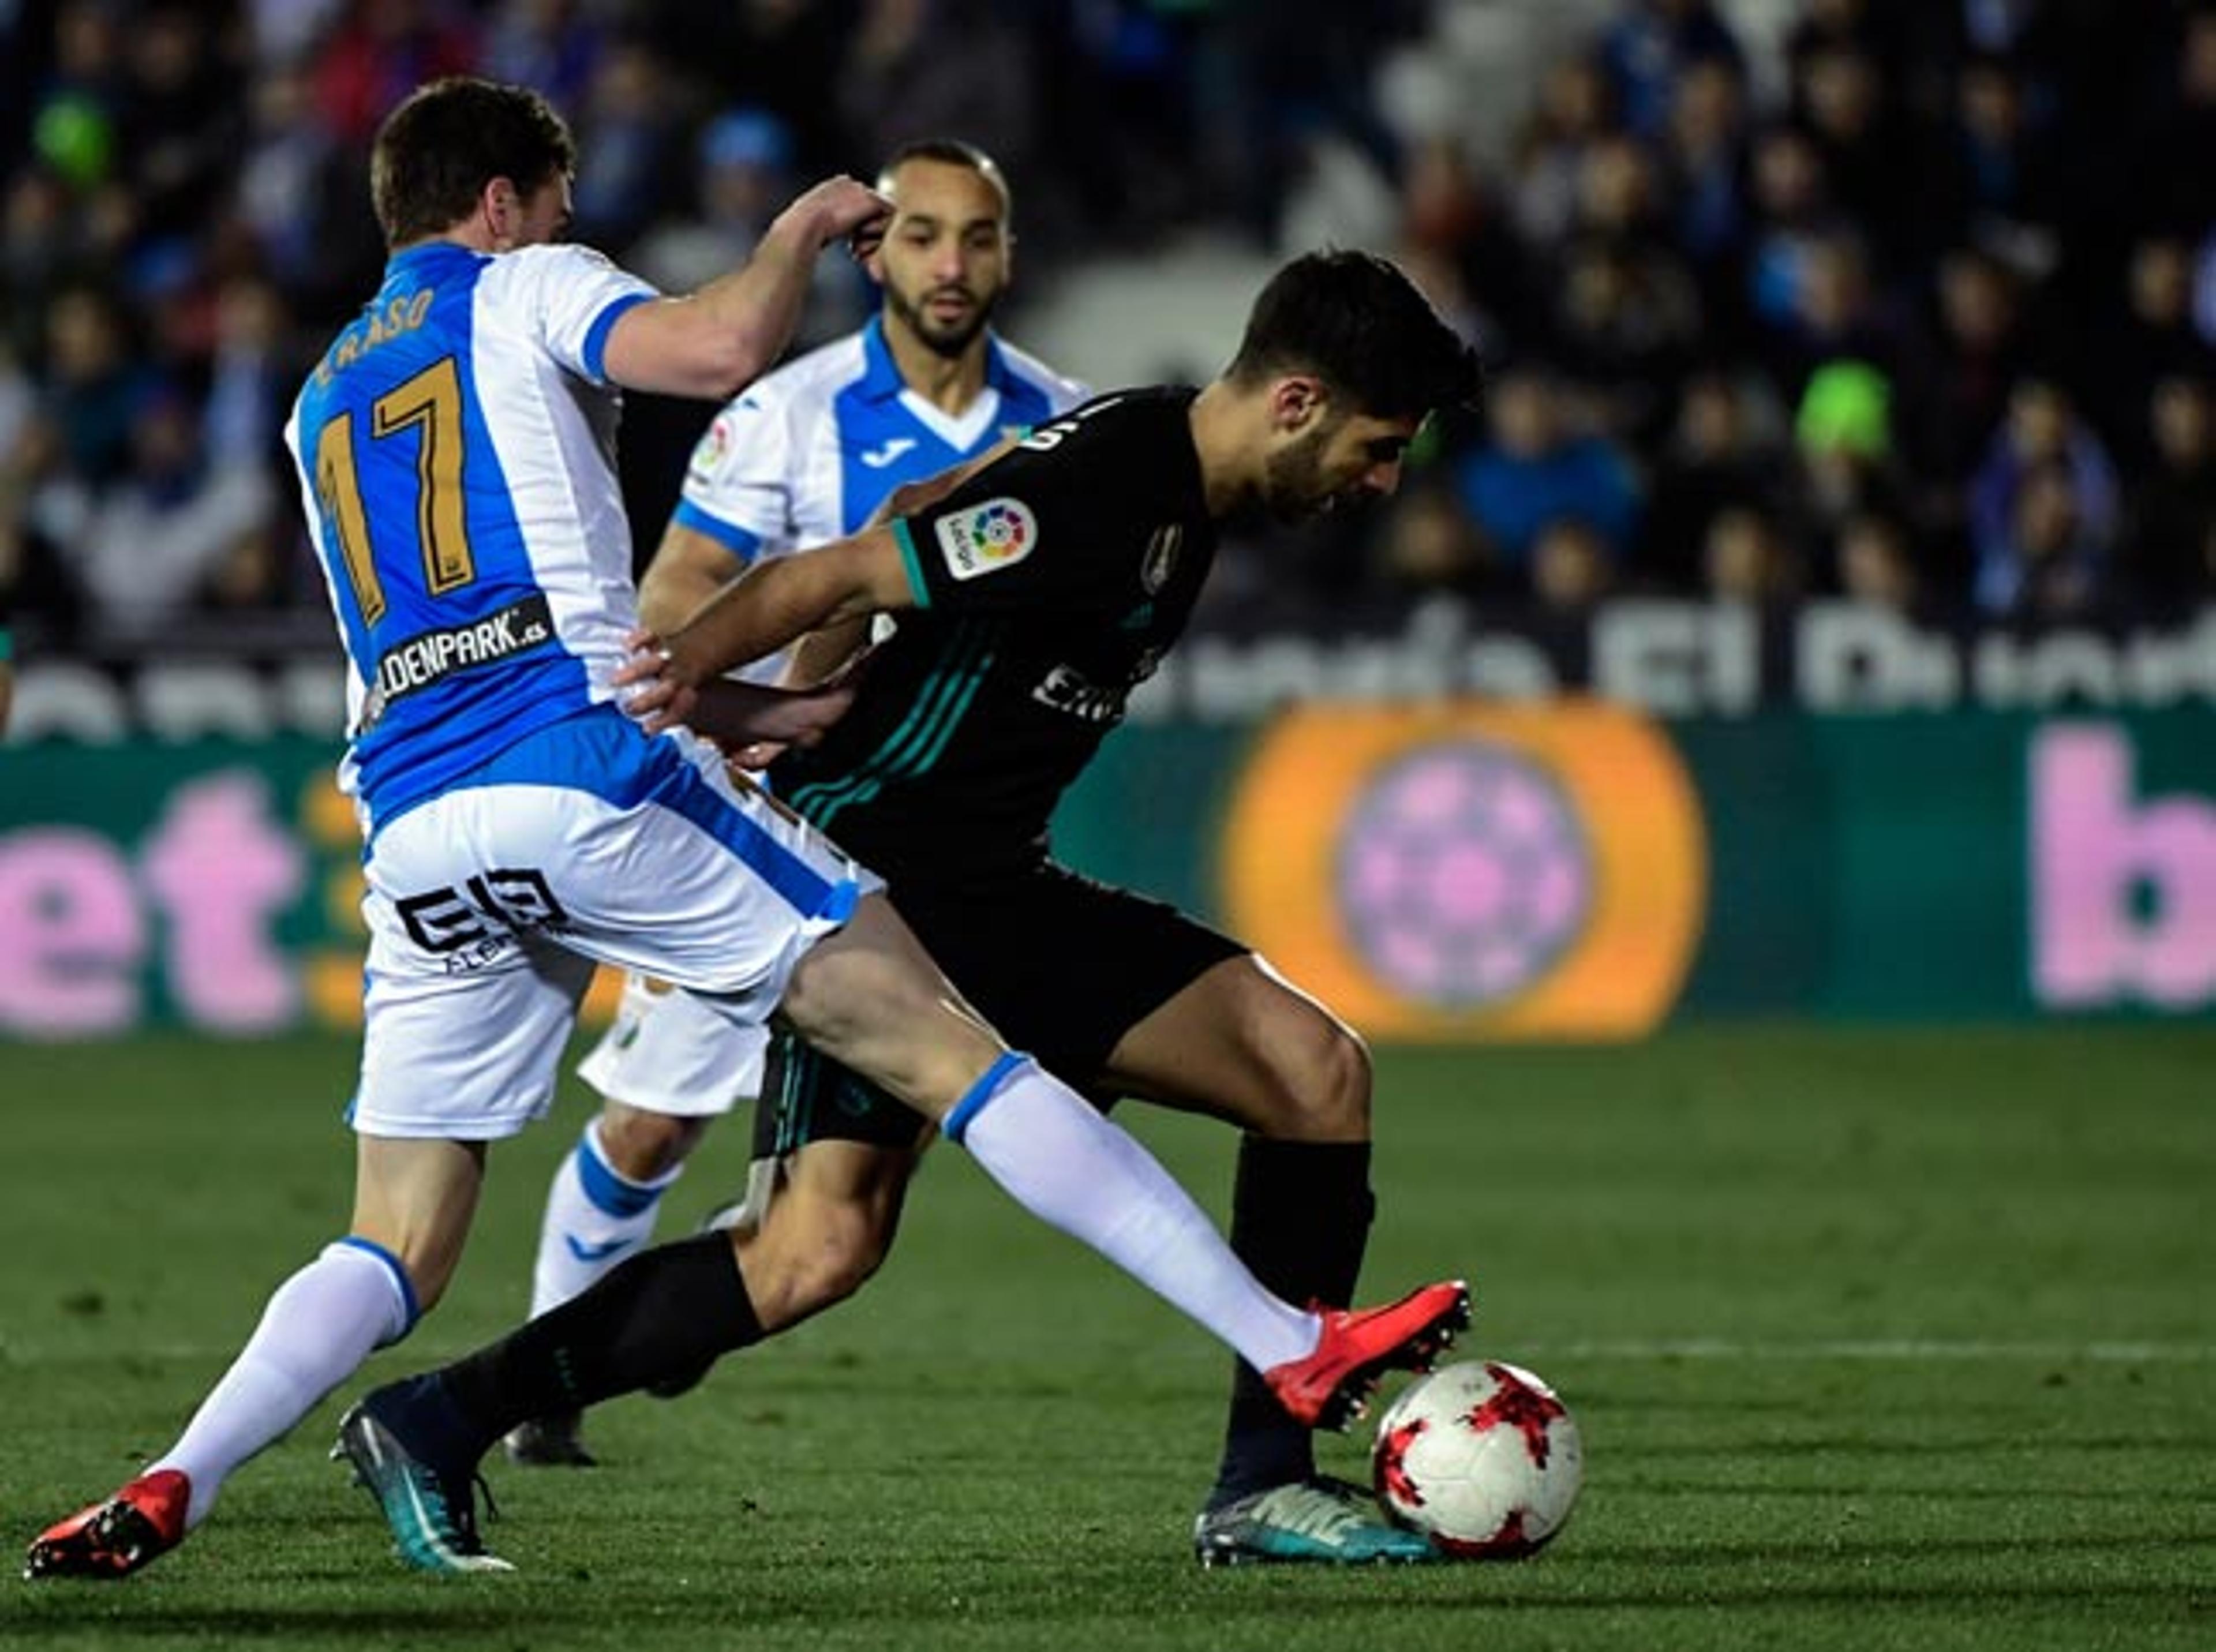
pixel 1048 585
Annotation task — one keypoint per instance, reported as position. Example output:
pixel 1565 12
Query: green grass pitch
pixel 1878 1339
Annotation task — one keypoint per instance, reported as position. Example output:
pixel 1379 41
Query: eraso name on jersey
pixel 424 659
pixel 398 315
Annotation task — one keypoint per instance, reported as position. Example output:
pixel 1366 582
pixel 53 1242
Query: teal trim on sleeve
pixel 7 645
pixel 903 533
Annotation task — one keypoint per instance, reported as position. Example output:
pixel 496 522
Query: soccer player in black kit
pixel 1029 597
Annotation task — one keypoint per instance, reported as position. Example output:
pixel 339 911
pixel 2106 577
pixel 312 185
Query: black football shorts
pixel 1062 965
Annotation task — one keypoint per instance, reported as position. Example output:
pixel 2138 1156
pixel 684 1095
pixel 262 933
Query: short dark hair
pixel 951 151
pixel 448 140
pixel 1358 323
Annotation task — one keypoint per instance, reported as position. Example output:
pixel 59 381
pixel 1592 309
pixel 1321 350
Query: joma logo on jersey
pixel 987 537
pixel 878 458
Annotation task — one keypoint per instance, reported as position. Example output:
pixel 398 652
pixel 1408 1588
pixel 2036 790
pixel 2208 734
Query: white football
pixel 1482 1458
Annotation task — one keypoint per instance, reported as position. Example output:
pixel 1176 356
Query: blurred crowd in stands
pixel 1909 300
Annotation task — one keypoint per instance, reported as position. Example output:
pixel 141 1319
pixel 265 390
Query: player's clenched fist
pixel 843 208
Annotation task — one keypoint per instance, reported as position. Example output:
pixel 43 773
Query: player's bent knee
pixel 1321 1081
pixel 1347 1077
pixel 644 1146
pixel 850 1256
pixel 795 1269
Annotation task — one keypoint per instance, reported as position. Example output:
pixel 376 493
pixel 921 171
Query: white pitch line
pixel 1906 1350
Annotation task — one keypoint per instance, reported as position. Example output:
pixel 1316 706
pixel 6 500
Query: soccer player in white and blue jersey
pixel 804 455
pixel 454 446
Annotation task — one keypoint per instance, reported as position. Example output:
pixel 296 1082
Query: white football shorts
pixel 668 1052
pixel 587 841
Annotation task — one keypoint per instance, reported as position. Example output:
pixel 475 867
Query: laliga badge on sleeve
pixel 986 538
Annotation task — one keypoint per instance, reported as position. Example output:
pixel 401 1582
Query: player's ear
pixel 501 205
pixel 1297 401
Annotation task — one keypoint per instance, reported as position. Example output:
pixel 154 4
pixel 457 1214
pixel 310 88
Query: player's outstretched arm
pixel 756 718
pixel 829 650
pixel 714 341
pixel 772 603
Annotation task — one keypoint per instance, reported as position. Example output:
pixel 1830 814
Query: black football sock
pixel 671 1310
pixel 1300 1220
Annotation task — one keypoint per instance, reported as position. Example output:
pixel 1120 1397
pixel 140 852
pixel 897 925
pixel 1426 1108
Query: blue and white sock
pixel 595 1218
pixel 1073 1168
pixel 319 1326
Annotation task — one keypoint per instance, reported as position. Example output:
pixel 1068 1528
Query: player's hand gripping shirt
pixel 1048 585
pixel 456 452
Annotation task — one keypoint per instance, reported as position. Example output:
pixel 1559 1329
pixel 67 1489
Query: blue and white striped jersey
pixel 456 450
pixel 805 454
